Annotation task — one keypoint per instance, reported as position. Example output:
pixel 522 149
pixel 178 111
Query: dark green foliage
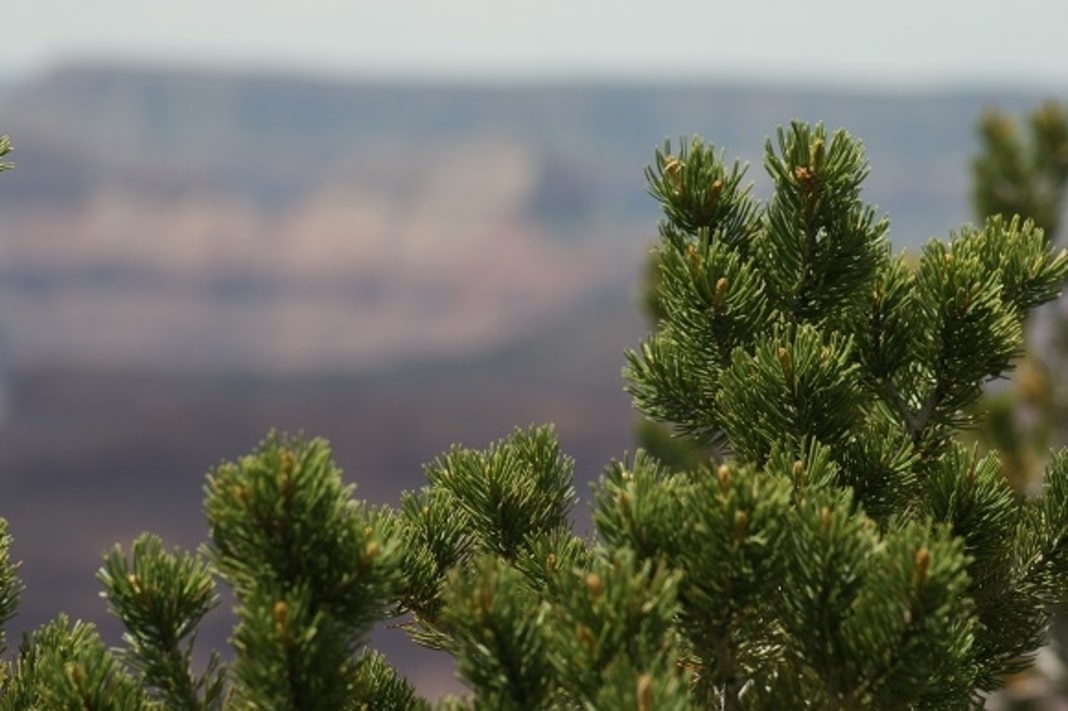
pixel 676 452
pixel 877 379
pixel 821 245
pixel 511 501
pixel 515 492
pixel 699 191
pixel 795 387
pixel 1022 168
pixel 1023 175
pixel 161 598
pixel 849 553
pixel 311 568
pixel 10 587
pixel 65 666
pixel 495 623
pixel 379 688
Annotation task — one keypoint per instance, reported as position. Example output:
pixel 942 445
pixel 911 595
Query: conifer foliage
pixel 1022 168
pixel 848 554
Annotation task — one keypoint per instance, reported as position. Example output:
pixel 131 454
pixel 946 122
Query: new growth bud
pixel 288 463
pixel 585 638
pixel 281 613
pixel 694 257
pixel 673 172
pixel 722 286
pixel 723 473
pixel 787 364
pixel 645 692
pixel 819 154
pixel 713 192
pixel 741 524
pixel 593 582
pixel 371 551
pixel 826 518
pixel 285 474
pixel 923 564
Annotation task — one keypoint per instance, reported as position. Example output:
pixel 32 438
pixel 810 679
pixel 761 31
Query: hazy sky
pixel 888 42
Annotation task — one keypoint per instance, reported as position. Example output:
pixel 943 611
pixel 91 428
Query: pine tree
pixel 1023 170
pixel 849 553
pixel 675 450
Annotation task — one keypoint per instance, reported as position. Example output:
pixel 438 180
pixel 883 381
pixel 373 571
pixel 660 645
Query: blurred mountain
pixel 211 220
pixel 192 221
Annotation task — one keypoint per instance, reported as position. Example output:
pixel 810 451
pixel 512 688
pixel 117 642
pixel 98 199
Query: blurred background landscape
pixel 193 253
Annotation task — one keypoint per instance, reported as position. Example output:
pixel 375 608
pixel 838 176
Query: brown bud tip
pixel 288 463
pixel 694 256
pixel 714 191
pixel 281 610
pixel 722 285
pixel 285 474
pixel 134 583
pixel 799 468
pixel 239 493
pixel 593 582
pixel 741 524
pixel 645 692
pixel 923 564
pixel 673 173
pixel 784 359
pixel 584 636
pixel 371 550
pixel 723 473
pixel 825 517
pixel 550 561
pixel 819 152
pixel 802 174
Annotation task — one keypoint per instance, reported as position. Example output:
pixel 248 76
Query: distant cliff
pixel 212 220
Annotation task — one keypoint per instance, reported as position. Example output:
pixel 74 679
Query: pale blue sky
pixel 859 42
